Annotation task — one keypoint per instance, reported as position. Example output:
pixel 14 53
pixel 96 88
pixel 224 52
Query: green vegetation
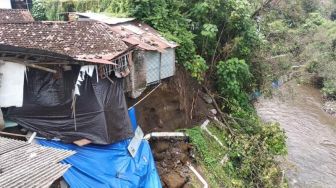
pixel 225 41
pixel 299 33
pixel 54 9
pixel 246 160
pixel 39 11
pixel 233 78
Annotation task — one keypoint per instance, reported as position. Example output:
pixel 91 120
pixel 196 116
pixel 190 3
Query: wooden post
pixel 2 122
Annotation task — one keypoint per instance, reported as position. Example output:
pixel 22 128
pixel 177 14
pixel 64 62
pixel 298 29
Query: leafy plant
pixel 38 10
pixel 197 68
pixel 233 78
pixel 313 21
pixel 209 30
pixel 329 88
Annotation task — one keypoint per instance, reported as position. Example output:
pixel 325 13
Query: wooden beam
pixel 30 65
pixel 41 68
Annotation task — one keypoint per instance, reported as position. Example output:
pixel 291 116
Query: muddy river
pixel 311 132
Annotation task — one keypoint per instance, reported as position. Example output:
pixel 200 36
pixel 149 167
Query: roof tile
pixel 15 16
pixel 67 38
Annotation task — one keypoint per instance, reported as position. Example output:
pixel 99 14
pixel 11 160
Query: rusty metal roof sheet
pixel 73 39
pixel 133 32
pixel 141 34
pixel 30 165
pixel 15 16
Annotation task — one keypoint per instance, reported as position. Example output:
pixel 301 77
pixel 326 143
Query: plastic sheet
pixel 100 112
pixel 132 115
pixel 109 166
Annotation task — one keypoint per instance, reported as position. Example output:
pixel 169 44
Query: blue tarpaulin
pixel 109 166
pixel 132 115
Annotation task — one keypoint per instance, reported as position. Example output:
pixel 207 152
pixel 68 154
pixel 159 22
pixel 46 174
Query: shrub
pixel 38 10
pixel 329 88
pixel 313 21
pixel 310 5
pixel 197 67
pixel 233 78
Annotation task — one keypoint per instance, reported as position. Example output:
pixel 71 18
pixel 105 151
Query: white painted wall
pixel 5 4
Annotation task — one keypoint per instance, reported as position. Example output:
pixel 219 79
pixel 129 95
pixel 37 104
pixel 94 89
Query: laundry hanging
pixel 85 70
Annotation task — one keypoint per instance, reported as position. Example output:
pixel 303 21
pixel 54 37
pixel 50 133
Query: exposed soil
pixel 176 104
pixel 171 158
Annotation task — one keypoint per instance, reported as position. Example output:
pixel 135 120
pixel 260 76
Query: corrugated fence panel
pixel 152 60
pixel 168 63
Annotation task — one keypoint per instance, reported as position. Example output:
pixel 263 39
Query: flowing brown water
pixel 311 132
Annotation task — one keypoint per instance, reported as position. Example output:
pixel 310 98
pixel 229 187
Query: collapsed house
pixel 58 79
pixel 64 81
pixel 154 57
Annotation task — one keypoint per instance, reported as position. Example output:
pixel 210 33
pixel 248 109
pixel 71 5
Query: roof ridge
pixel 5 9
pixel 49 22
pixel 67 38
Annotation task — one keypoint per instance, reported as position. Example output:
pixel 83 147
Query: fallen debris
pixel 330 107
pixel 171 157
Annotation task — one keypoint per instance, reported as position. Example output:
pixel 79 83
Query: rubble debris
pixel 330 107
pixel 171 158
pixel 174 180
pixel 82 142
pixel 206 98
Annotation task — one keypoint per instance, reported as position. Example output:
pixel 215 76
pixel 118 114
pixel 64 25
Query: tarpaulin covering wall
pixel 109 166
pixel 100 111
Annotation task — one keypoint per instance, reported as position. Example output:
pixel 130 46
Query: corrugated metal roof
pixel 30 165
pixel 103 18
pixel 141 34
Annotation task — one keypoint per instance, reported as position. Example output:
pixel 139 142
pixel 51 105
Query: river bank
pixel 311 132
